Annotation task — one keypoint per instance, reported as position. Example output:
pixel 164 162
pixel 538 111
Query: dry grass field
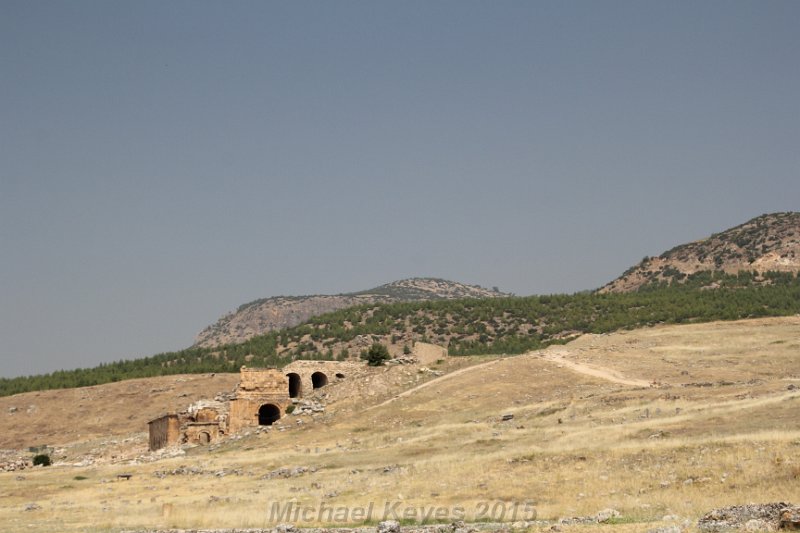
pixel 58 417
pixel 720 427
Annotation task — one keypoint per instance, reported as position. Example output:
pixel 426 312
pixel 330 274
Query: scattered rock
pixel 758 525
pixel 790 518
pixel 33 507
pixel 576 520
pixel 307 407
pixel 508 417
pixel 605 515
pixel 14 465
pixel 460 527
pixel 389 526
pixel 403 360
pixel 286 473
pixel 764 517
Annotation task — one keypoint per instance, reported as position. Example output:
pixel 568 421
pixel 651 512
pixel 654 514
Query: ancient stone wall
pixel 258 389
pixel 427 354
pixel 164 431
pixel 261 398
pixel 311 375
pixel 201 432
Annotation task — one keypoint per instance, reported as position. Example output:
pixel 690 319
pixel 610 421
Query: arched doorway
pixel 318 380
pixel 268 414
pixel 204 437
pixel 295 385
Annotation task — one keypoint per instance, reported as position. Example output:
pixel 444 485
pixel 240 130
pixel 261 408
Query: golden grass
pixel 577 444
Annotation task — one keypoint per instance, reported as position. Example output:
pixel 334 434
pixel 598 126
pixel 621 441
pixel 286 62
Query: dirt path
pixel 435 381
pixel 554 356
pixel 598 372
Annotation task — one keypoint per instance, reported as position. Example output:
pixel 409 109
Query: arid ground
pixel 661 424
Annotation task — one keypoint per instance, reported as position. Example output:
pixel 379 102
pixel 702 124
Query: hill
pixel 269 314
pixel 769 243
pixel 470 320
pixel 467 327
pixel 563 432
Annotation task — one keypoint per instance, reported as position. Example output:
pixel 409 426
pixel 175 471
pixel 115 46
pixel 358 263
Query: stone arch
pixel 319 380
pixel 268 414
pixel 204 437
pixel 295 385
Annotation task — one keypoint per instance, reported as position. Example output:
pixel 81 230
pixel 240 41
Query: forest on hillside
pixel 467 327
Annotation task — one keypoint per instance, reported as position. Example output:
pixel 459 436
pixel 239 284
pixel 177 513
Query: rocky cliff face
pixel 766 243
pixel 268 314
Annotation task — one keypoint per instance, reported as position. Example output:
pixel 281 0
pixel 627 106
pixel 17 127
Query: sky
pixel 162 163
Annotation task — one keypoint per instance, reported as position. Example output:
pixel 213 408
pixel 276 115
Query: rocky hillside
pixel 769 243
pixel 269 314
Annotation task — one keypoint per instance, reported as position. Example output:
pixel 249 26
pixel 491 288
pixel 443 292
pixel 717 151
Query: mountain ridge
pixel 277 312
pixel 767 243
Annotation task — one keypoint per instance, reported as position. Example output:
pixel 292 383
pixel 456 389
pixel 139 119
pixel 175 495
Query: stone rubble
pixel 387 526
pixel 790 518
pixel 15 465
pixel 184 470
pixel 601 517
pixel 403 360
pixel 750 517
pixel 285 473
pixel 307 407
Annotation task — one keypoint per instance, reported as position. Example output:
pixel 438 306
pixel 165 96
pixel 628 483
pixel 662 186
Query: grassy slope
pixel 577 444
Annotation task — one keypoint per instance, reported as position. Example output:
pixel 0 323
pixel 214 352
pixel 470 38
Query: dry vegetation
pixel 721 428
pixel 769 242
pixel 58 417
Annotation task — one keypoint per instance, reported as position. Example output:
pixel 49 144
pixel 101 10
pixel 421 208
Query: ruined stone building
pixel 260 399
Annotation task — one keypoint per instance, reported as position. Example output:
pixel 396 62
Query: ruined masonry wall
pixel 164 431
pixel 305 369
pixel 428 354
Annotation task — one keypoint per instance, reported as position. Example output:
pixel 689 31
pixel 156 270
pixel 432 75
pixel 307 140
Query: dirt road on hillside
pixel 558 357
pixel 435 381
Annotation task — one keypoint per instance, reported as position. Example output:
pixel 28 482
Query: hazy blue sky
pixel 163 162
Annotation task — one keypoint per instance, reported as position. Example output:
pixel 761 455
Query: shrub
pixel 41 459
pixel 376 355
pixel 290 409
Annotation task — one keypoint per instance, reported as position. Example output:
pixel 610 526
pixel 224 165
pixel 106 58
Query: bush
pixel 41 459
pixel 290 409
pixel 376 355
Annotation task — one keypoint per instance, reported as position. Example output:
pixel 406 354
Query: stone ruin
pixel 261 398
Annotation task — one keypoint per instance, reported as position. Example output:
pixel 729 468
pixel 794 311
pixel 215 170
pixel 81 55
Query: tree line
pixel 467 327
